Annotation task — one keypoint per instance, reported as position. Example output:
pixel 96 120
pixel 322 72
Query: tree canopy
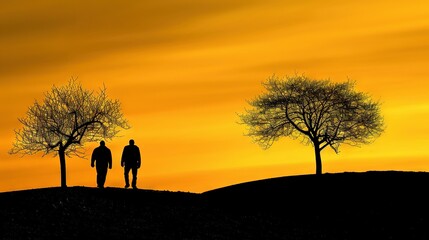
pixel 68 117
pixel 318 112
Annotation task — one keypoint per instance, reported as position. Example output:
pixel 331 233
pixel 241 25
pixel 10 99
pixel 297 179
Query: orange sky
pixel 184 69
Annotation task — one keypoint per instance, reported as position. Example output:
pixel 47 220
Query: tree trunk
pixel 62 155
pixel 318 159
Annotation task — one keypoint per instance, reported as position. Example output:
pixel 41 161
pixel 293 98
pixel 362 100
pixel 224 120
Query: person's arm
pixel 138 158
pixel 93 158
pixel 123 158
pixel 110 159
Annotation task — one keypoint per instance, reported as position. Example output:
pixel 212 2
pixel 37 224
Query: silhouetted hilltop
pixel 373 187
pixel 371 205
pixel 92 213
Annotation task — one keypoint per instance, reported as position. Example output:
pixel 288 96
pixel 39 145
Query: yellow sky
pixel 184 69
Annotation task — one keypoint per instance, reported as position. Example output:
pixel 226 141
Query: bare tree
pixel 68 117
pixel 318 112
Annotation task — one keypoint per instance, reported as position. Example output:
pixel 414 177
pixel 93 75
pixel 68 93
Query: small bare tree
pixel 318 112
pixel 68 117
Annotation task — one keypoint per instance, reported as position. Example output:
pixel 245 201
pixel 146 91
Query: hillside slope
pixel 377 205
pixel 373 187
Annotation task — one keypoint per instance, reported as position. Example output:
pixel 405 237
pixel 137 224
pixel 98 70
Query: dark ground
pixel 371 205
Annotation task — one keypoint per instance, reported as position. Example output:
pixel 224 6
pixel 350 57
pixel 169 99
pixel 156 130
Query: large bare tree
pixel 318 112
pixel 68 117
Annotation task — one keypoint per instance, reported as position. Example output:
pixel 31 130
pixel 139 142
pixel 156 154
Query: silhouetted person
pixel 103 159
pixel 131 161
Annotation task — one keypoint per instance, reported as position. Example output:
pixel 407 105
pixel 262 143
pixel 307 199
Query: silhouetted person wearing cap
pixel 103 159
pixel 131 161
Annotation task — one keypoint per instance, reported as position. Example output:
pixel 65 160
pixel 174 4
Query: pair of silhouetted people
pixel 130 160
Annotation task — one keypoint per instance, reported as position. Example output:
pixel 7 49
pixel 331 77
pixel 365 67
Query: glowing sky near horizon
pixel 184 69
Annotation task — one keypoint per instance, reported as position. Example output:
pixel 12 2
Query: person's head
pixel 102 143
pixel 131 142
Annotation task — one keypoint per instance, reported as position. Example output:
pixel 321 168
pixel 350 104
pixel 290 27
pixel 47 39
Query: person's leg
pixel 103 177
pixel 98 177
pixel 134 172
pixel 126 173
